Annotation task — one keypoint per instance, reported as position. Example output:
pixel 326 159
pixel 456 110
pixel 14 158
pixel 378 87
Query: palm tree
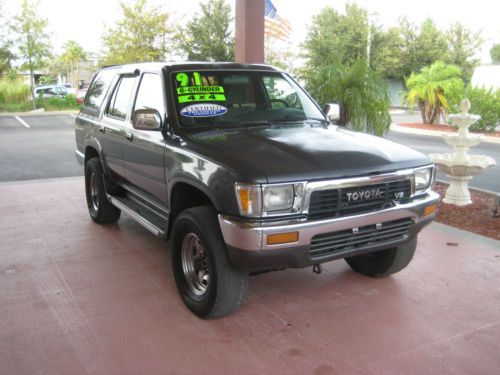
pixel 435 89
pixel 73 54
pixel 361 93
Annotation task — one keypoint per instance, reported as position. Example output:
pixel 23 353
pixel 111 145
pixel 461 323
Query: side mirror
pixel 326 109
pixel 146 119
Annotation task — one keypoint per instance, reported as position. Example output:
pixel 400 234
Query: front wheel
pixel 385 262
pixel 206 281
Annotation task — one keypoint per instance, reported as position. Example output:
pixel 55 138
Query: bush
pixel 13 91
pixel 362 94
pixel 486 103
pixel 56 103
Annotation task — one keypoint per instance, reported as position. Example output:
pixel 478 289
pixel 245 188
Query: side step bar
pixel 152 217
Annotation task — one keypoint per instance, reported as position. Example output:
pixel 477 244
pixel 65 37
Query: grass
pixel 48 104
pixel 16 107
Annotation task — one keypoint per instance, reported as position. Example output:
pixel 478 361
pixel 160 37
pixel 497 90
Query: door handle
pixel 102 129
pixel 129 136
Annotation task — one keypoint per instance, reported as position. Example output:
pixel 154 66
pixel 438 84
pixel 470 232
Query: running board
pixel 151 217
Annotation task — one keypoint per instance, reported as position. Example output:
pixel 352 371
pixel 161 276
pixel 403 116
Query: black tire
pixel 205 279
pixel 100 209
pixel 385 262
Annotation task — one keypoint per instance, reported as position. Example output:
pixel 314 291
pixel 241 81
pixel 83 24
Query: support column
pixel 249 31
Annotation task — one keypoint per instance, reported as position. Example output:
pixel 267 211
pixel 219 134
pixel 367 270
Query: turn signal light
pixel 280 238
pixel 429 210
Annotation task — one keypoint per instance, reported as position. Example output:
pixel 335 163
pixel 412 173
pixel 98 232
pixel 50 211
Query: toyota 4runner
pixel 240 168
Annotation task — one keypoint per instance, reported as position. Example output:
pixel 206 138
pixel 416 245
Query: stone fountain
pixel 459 165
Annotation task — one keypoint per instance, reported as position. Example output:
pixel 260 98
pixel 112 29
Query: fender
pixel 187 179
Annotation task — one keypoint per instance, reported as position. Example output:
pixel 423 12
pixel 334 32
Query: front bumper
pixel 248 249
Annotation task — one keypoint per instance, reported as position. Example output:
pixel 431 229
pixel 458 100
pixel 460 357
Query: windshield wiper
pixel 303 118
pixel 253 123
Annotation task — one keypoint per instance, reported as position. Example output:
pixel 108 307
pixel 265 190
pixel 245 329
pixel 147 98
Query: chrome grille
pixel 335 202
pixel 327 244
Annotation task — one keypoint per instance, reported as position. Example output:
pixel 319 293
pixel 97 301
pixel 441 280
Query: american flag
pixel 275 26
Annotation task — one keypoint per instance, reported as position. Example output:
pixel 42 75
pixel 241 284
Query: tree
pixel 279 54
pixel 404 49
pixel 6 55
pixel 335 38
pixel 387 53
pixel 336 69
pixel 208 35
pixel 436 88
pixel 430 46
pixel 31 40
pixel 463 44
pixel 495 54
pixel 5 59
pixel 140 35
pixel 361 93
pixel 73 54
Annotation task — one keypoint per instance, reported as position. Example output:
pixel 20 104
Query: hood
pixel 290 153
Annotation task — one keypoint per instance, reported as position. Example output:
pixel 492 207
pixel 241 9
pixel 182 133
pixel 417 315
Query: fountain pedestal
pixel 458 191
pixel 459 165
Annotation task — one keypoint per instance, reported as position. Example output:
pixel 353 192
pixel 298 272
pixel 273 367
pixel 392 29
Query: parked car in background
pixel 69 86
pixel 48 91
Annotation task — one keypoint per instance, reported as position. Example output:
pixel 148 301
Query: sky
pixel 85 20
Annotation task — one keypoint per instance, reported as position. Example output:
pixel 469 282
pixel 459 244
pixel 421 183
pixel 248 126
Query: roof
pixel 190 65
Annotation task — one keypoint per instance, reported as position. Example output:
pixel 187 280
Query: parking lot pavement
pixel 79 298
pixel 34 147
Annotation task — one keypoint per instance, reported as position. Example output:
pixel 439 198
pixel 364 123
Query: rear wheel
pixel 385 262
pixel 206 281
pixel 100 209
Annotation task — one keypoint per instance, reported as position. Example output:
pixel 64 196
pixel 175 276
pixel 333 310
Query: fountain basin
pixel 463 120
pixel 474 165
pixel 459 140
pixel 460 167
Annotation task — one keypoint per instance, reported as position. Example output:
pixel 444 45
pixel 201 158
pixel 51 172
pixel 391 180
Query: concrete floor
pixel 79 298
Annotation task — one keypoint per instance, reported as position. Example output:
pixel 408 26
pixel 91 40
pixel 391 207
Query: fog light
pixel 280 238
pixel 429 210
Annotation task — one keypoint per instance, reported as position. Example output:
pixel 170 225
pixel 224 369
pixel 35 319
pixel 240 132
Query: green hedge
pixel 486 103
pixel 56 103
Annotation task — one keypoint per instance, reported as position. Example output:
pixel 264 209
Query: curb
pixel 35 113
pixel 430 133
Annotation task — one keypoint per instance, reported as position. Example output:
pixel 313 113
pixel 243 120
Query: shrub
pixel 57 103
pixel 362 94
pixel 486 103
pixel 13 91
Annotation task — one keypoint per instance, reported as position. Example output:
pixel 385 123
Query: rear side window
pixel 98 88
pixel 118 105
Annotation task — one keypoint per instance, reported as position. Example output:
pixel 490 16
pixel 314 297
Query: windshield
pixel 212 98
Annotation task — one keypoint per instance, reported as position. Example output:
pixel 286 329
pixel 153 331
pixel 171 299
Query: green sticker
pixel 182 78
pixel 202 98
pixel 200 89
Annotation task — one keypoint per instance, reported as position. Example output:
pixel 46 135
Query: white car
pixel 48 91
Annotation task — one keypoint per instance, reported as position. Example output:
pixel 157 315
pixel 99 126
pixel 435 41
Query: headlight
pixel 278 197
pixel 269 200
pixel 424 178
